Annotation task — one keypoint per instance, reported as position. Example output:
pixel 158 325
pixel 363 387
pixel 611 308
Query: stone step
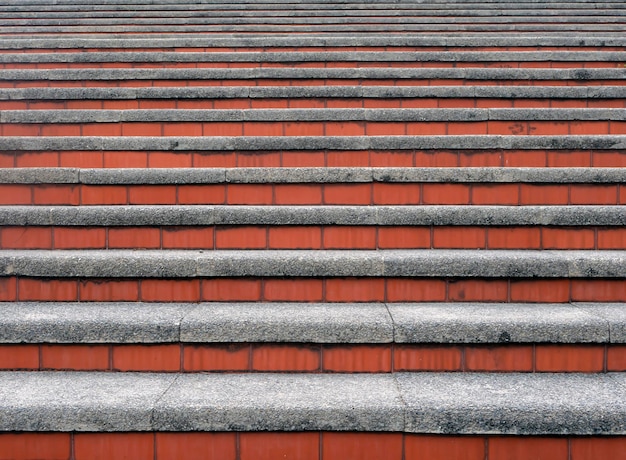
pixel 317 76
pixel 255 97
pixel 287 337
pixel 312 122
pixel 454 404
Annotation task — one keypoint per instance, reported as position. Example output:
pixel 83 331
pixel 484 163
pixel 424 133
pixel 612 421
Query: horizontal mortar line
pixel 202 215
pixel 520 404
pixel 308 73
pixel 256 92
pixel 252 143
pixel 313 263
pixel 317 56
pixel 321 323
pixel 312 114
pixel 286 175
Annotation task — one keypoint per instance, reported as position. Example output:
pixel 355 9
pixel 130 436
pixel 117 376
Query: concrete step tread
pixel 426 323
pixel 312 114
pixel 352 73
pixel 314 263
pixel 346 92
pixel 316 40
pixel 318 56
pixel 203 215
pixel 285 175
pixel 522 404
pixel 305 143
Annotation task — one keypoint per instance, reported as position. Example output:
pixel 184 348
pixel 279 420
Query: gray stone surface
pixel 288 322
pixel 257 92
pixel 184 215
pixel 249 143
pixel 315 263
pixel 520 404
pixel 39 176
pixel 614 314
pixel 91 322
pixel 320 73
pixel 496 323
pixel 326 115
pixel 275 402
pixel 79 401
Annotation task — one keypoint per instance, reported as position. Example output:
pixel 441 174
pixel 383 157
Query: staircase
pixel 312 230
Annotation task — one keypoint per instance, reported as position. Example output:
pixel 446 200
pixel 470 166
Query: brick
pixel 7 160
pixel 204 446
pixel 8 289
pixel 295 237
pixel 569 159
pixel 384 158
pixel 513 238
pixel 272 446
pixel 479 159
pixel 155 358
pixel 120 446
pixel 75 357
pixel 396 194
pixel 498 194
pixel 182 129
pixel 15 194
pixel 567 238
pixel 110 194
pixel 47 289
pixel 258 160
pixel 593 194
pixel 543 194
pixel 303 159
pixel 109 290
pixel 152 194
pixel 569 358
pixel 415 290
pixel 338 159
pixel 403 237
pixel 344 237
pixel 497 358
pixel 25 357
pixel 426 358
pixel 187 238
pixel 432 128
pixel 609 159
pixel 26 238
pixel 465 128
pixel 437 447
pixel 385 129
pixel 348 194
pixel 222 129
pixel 161 290
pixel 79 238
pixel 593 448
pixel 616 358
pixel 141 129
pixel 525 159
pixel 36 159
pixel 356 358
pixel 304 129
pixel 445 194
pixel 101 129
pixel 507 128
pixel 201 194
pixel 598 290
pixel 478 290
pixel 128 237
pixel 363 446
pixel 249 194
pixel 523 448
pixel 170 159
pixel 245 237
pixel 459 237
pixel 32 446
pixel 548 128
pixel 218 357
pixel 355 290
pixel 125 159
pixel 612 238
pixel 257 128
pixel 297 290
pixel 56 194
pixel 297 194
pixel 292 358
pixel 349 128
pixel 222 290
pixel 539 290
